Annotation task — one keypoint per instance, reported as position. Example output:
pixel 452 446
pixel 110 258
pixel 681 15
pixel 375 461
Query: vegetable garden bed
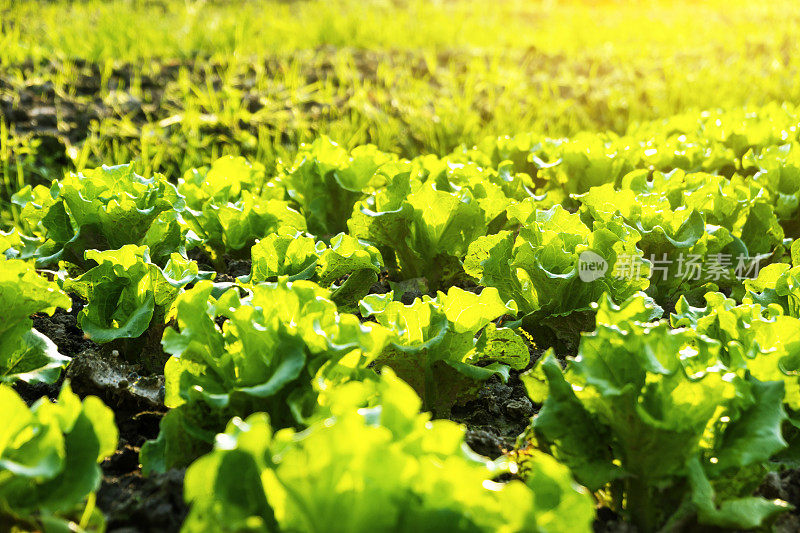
pixel 281 269
pixel 353 292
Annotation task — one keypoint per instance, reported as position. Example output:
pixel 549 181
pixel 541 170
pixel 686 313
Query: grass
pixel 129 30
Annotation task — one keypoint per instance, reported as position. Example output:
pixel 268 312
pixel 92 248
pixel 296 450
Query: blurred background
pixel 173 84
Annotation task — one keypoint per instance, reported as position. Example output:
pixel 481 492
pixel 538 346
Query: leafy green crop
pixel 103 209
pixel 699 232
pixel 230 206
pixel 15 245
pixel 493 190
pixel 25 353
pixel 778 283
pixel 267 351
pixel 374 464
pixel 352 152
pixel 293 255
pixel 49 457
pixel 434 346
pixel 423 231
pixel 584 162
pixel 659 420
pixel 326 181
pixel 755 338
pixel 125 291
pixel 544 266
pixel 778 171
pixel 348 266
pixel 734 141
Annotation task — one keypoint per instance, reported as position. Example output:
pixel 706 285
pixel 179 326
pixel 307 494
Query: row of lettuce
pixel 276 405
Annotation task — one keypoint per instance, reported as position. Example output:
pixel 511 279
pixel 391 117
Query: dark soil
pixel 63 329
pixel 134 503
pixel 496 417
pixel 131 502
pixel 785 486
pixel 608 521
pixel 227 268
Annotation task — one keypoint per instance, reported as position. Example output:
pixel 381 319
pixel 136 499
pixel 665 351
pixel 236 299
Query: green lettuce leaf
pixel 326 181
pixel 348 266
pixel 103 209
pixel 779 284
pixel 26 354
pixel 755 338
pixel 230 206
pixel 555 264
pixel 424 232
pixel 49 457
pixel 434 345
pixel 266 351
pixel 651 400
pixel 125 291
pixel 375 464
pixel 700 232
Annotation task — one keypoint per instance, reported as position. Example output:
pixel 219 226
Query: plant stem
pixel 430 390
pixel 639 504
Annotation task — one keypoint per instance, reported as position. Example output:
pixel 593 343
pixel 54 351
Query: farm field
pixel 319 266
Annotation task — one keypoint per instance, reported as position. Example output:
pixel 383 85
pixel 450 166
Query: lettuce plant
pixel 756 338
pixel 373 464
pixel 778 283
pixel 293 255
pixel 563 166
pixel 326 181
pixel 16 245
pixel 700 232
pixel 493 190
pixel 738 204
pixel 234 355
pixel 518 155
pixel 661 423
pixel 587 160
pixel 720 142
pixel 424 232
pixel 49 457
pixel 778 171
pixel 348 266
pixel 223 180
pixel 229 206
pixel 26 354
pixel 434 346
pixel 555 264
pixel 103 209
pixel 126 290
